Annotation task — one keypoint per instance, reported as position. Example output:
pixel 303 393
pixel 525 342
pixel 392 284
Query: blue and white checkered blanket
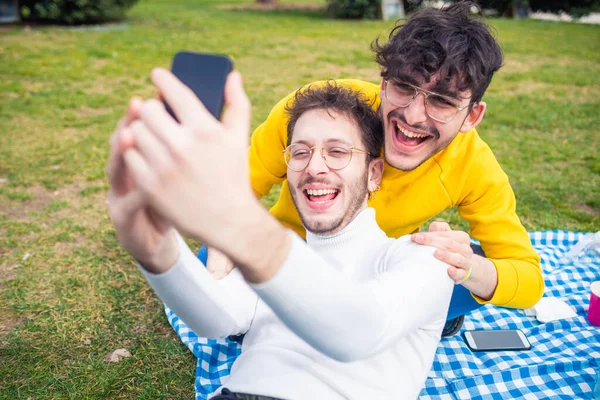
pixel 563 362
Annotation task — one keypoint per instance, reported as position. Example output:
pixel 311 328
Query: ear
pixel 474 117
pixel 382 87
pixel 375 173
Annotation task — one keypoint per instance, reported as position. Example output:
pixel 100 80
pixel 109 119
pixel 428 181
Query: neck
pixel 363 227
pixel 343 225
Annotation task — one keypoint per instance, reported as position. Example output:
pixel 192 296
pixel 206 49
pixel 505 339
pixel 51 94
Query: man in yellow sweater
pixel 435 69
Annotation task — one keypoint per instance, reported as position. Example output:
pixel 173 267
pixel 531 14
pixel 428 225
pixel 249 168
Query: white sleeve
pixel 211 308
pixel 348 320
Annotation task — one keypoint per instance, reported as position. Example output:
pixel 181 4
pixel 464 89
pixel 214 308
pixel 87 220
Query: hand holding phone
pixel 205 74
pixel 496 340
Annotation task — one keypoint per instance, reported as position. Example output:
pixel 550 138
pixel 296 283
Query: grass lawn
pixel 69 294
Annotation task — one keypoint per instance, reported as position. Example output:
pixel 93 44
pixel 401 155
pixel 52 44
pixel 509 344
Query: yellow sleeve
pixel 267 167
pixel 489 206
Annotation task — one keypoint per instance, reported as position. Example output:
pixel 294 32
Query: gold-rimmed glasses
pixel 439 107
pixel 336 156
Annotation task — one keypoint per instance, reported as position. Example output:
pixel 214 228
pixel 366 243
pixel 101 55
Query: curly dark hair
pixel 450 43
pixel 332 96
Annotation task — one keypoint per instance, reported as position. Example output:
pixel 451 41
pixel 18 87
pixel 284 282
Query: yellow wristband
pixel 468 275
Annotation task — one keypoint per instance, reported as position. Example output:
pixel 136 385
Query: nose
pixel 316 165
pixel 415 112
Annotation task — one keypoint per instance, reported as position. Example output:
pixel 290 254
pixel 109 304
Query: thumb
pixel 236 117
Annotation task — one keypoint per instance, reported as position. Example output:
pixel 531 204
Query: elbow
pixel 536 292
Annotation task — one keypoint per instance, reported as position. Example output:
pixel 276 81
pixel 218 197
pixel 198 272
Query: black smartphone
pixel 496 340
pixel 205 74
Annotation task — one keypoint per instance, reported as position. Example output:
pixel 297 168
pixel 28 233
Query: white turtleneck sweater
pixel 355 315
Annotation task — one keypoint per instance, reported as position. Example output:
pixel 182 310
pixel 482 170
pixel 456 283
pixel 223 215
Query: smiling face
pixel 327 200
pixel 411 135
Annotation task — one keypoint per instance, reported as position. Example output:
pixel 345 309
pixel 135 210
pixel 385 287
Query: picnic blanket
pixel 563 363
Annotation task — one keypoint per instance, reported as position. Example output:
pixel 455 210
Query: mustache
pixel 311 179
pixel 422 128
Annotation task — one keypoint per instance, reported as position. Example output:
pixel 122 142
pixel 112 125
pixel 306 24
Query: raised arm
pixel 194 173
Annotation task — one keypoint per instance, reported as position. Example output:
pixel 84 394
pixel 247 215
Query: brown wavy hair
pixel 334 97
pixel 450 42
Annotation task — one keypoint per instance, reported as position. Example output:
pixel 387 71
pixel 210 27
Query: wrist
pixel 165 257
pixel 261 244
pixel 483 279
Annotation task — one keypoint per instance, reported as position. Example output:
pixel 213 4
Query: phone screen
pixel 205 74
pixel 498 340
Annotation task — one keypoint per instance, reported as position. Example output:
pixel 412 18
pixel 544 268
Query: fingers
pixel 458 275
pixel 157 119
pixel 236 117
pixel 150 147
pixel 188 108
pixel 439 226
pixel 457 241
pixel 455 259
pixel 120 141
pixel 113 158
pixel 140 170
pixel 132 113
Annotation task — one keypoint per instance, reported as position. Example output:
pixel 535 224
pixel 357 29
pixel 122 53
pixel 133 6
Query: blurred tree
pixel 508 8
pixel 576 8
pixel 364 9
pixel 74 12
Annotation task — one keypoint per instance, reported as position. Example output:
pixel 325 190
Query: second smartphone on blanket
pixel 205 74
pixel 496 340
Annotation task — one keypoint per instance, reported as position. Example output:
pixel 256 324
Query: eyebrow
pixel 329 141
pixel 439 88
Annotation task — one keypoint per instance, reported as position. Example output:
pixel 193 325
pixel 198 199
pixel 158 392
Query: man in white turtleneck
pixel 350 314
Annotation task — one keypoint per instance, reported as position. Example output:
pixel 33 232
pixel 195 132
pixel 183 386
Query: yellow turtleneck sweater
pixel 465 174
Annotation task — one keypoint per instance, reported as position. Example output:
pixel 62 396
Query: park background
pixel 69 294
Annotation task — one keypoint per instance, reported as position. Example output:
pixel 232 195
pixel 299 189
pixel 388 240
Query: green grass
pixel 77 296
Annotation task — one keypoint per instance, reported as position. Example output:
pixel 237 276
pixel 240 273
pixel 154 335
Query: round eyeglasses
pixel 336 156
pixel 439 108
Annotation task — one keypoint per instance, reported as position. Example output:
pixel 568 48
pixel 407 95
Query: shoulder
pixel 403 252
pixel 469 164
pixel 469 148
pixel 407 247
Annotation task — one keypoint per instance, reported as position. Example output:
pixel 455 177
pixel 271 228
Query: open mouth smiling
pixel 320 196
pixel 408 138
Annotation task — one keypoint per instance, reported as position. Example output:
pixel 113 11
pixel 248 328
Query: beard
pixel 357 193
